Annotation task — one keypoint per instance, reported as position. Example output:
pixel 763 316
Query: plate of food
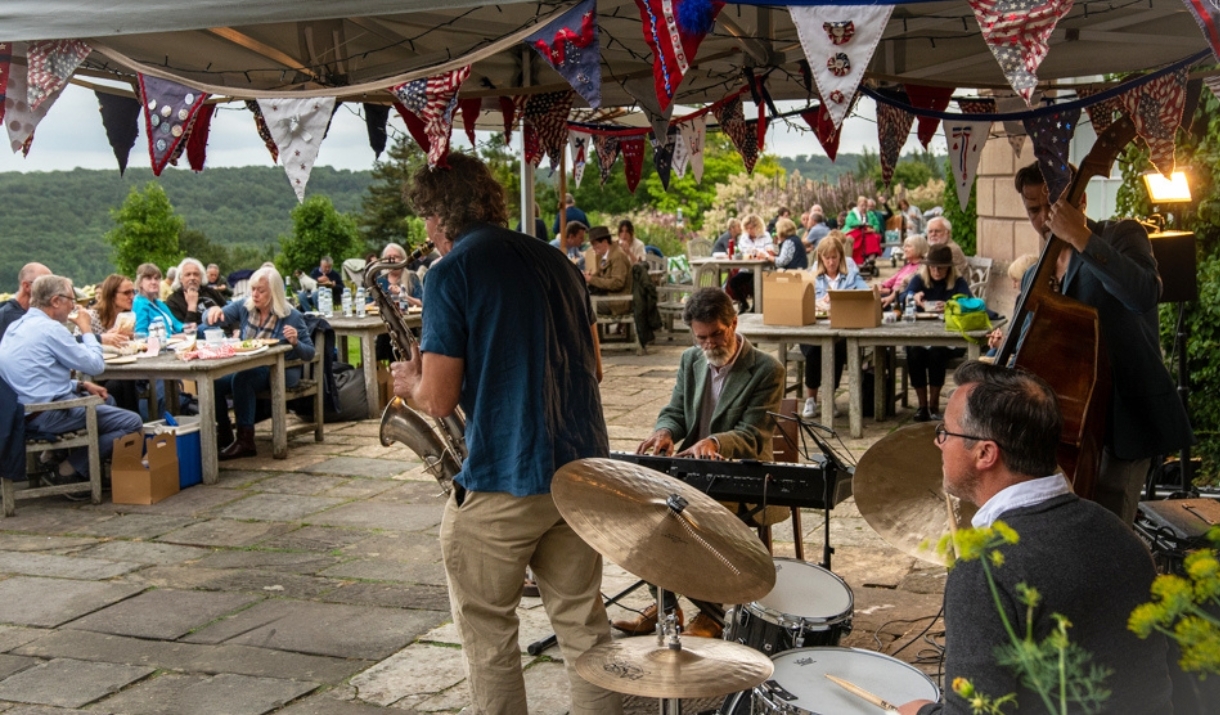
pixel 246 347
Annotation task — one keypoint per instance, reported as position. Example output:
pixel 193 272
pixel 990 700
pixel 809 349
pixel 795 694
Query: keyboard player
pixel 718 410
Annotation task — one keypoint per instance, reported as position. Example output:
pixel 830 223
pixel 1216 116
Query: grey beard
pixel 717 357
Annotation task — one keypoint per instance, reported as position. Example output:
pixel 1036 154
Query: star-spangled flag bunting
pixel 434 101
pixel 1017 32
pixel 839 41
pixel 965 140
pixel 633 160
pixel 546 117
pixel 121 120
pixel 681 158
pixel 824 129
pixel 376 117
pixel 169 109
pixel 933 98
pixel 694 134
pixel 1207 14
pixel 197 137
pixel 508 109
pixel 1013 128
pixel 1100 113
pixel 297 126
pixel 732 122
pixel 1156 110
pixel 1051 134
pixel 260 125
pixel 893 129
pixel 607 153
pixel 579 146
pixel 569 44
pixel 470 109
pixel 6 58
pixel 663 155
pixel 673 30
pixel 51 64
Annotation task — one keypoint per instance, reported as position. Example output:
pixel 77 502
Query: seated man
pixel 607 270
pixel 217 282
pixel 37 358
pixel 13 308
pixel 327 278
pixel 573 242
pixel 998 444
pixel 191 298
pixel 718 409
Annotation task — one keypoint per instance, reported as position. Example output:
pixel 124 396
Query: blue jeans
pixel 305 298
pixel 243 387
pixel 112 423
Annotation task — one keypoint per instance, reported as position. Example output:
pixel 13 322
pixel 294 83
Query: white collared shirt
pixel 1021 494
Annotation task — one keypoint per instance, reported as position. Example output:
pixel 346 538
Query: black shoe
pixel 922 415
pixel 530 589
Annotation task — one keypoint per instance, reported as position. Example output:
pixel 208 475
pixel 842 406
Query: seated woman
pixel 791 249
pixel 753 243
pixel 114 298
pixel 914 249
pixel 148 306
pixel 834 272
pixel 267 315
pixel 936 282
pixel 401 284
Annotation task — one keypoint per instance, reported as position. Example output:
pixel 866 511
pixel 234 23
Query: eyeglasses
pixel 943 435
pixel 126 292
pixel 65 296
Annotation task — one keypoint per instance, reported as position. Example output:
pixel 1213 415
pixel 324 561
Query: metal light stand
pixel 1175 253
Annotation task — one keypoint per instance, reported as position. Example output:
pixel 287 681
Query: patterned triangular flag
pixel 893 130
pixel 546 116
pixel 663 156
pixel 681 151
pixel 1014 129
pixel 1207 14
pixel 673 30
pixel 1100 113
pixel 1017 32
pixel 121 120
pixel 434 100
pixel 1156 110
pixel 1052 134
pixel 569 45
pixel 260 125
pixel 641 91
pixel 934 98
pixel 839 41
pixel 732 122
pixel 6 58
pixel 297 126
pixel 824 129
pixel 197 137
pixel 51 64
pixel 607 153
pixel 169 109
pixel 965 140
pixel 415 127
pixel 979 105
pixel 578 145
pixel 376 117
pixel 694 133
pixel 470 109
pixel 508 109
pixel 20 120
pixel 633 161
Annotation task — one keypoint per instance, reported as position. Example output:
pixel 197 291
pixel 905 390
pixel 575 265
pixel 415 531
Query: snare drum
pixel 800 686
pixel 809 606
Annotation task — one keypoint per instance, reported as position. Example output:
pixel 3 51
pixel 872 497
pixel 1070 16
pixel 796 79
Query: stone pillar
pixel 1003 229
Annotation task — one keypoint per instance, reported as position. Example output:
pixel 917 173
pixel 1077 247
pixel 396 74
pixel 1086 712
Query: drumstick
pixel 861 693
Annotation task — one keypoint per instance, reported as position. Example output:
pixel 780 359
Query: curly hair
pixel 463 195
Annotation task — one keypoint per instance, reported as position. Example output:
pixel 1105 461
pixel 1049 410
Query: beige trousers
pixel 487 542
pixel 1119 484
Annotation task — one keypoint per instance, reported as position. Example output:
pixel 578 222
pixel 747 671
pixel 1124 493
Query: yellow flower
pixel 997 558
pixel 1144 619
pixel 963 687
pixel 1005 532
pixel 1175 593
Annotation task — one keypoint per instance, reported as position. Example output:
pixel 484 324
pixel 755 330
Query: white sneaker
pixel 811 408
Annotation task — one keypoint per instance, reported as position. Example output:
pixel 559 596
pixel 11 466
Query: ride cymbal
pixel 702 668
pixel 899 492
pixel 664 531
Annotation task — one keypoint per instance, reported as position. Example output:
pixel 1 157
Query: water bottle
pixel 908 313
pixel 347 302
pixel 326 303
pixel 360 307
pixel 402 301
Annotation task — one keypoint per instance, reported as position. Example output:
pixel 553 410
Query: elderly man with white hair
pixel 940 233
pixel 37 357
pixel 265 315
pixel 192 297
pixel 15 307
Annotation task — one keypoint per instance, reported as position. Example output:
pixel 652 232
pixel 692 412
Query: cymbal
pixel 899 492
pixel 702 551
pixel 703 668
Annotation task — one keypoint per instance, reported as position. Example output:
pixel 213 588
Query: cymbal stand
pixel 668 636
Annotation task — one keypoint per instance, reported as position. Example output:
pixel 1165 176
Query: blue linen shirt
pixel 38 355
pixel 147 311
pixel 518 313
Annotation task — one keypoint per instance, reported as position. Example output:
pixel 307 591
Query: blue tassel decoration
pixel 696 17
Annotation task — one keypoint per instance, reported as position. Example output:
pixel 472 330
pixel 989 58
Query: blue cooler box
pixel 190 454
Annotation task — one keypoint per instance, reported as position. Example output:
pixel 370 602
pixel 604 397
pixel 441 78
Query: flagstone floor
pixel 313 585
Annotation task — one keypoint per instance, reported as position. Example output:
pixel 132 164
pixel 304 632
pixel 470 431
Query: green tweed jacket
pixel 740 423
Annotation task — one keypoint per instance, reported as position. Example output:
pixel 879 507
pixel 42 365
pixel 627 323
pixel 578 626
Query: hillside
pixel 60 218
pixel 819 167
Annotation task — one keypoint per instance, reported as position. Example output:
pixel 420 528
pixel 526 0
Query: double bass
pixel 1059 338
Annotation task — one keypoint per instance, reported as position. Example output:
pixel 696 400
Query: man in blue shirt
pixel 510 336
pixel 13 308
pixel 37 357
pixel 571 213
pixel 326 277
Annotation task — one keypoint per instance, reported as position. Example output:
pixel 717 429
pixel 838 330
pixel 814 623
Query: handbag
pixel 964 314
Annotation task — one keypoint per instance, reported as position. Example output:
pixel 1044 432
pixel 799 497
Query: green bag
pixel 964 314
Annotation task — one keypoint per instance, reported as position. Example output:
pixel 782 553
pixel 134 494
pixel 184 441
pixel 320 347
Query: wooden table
pixel 758 265
pixel 167 366
pixel 367 329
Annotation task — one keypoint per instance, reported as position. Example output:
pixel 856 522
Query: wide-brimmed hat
pixel 599 233
pixel 939 256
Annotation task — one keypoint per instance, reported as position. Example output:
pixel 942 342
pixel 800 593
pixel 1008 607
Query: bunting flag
pixel 296 126
pixel 733 124
pixel 470 109
pixel 933 98
pixel 260 125
pixel 641 90
pixel 1013 128
pixel 570 46
pixel 694 133
pixel 607 153
pixel 824 129
pixel 1100 113
pixel 169 109
pixel 980 105
pixel 965 140
pixel 6 58
pixel 839 41
pixel 1017 32
pixel 1207 14
pixel 376 117
pixel 1051 134
pixel 578 144
pixel 633 160
pixel 508 109
pixel 681 158
pixel 663 156
pixel 415 127
pixel 20 120
pixel 434 100
pixel 121 120
pixel 51 64
pixel 546 118
pixel 1156 110
pixel 893 129
pixel 673 30
pixel 197 137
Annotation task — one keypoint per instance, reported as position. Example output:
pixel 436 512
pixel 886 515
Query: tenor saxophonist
pixel 509 335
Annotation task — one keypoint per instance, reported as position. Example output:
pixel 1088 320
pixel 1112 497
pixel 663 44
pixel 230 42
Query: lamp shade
pixel 1174 190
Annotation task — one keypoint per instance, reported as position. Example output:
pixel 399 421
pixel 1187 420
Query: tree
pixel 146 230
pixel 195 244
pixel 965 223
pixel 384 215
pixel 317 230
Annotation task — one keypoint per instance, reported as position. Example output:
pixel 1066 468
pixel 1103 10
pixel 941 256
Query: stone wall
pixel 1003 229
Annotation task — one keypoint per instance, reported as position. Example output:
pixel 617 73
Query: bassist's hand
pixel 1069 223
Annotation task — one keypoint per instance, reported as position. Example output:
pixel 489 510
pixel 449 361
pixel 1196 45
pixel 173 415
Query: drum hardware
pixel 809 606
pixel 681 667
pixel 799 684
pixel 861 693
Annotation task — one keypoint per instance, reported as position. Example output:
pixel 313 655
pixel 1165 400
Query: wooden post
pixel 563 190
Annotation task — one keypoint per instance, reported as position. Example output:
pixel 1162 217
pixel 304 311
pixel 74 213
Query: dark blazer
pixel 208 297
pixel 740 423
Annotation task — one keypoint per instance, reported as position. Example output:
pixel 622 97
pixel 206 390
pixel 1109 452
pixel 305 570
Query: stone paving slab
pixel 361 488
pixel 10 664
pixel 534 626
pixel 58 522
pixel 30 542
pixel 426 492
pixel 288 585
pixel 325 705
pixel 416 670
pixel 77 567
pixel 322 628
pixel 384 570
pixel 275 507
pixel 300 483
pixel 191 501
pixel 162 613
pixel 315 538
pixel 304 563
pixel 359 467
pixel 14 636
pixel 136 526
pixel 392 595
pixel 224 532
pixel 172 694
pixel 34 601
pixel 395 546
pixel 382 515
pixel 145 552
pixel 68 683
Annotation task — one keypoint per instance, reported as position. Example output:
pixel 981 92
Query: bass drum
pixel 800 686
pixel 809 606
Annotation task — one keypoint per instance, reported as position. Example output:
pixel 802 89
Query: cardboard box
pixel 133 483
pixel 855 308
pixel 788 298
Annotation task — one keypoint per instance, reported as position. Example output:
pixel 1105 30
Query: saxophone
pixel 443 447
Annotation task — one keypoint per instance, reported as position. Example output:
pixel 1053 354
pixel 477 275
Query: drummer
pixel 718 410
pixel 997 446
